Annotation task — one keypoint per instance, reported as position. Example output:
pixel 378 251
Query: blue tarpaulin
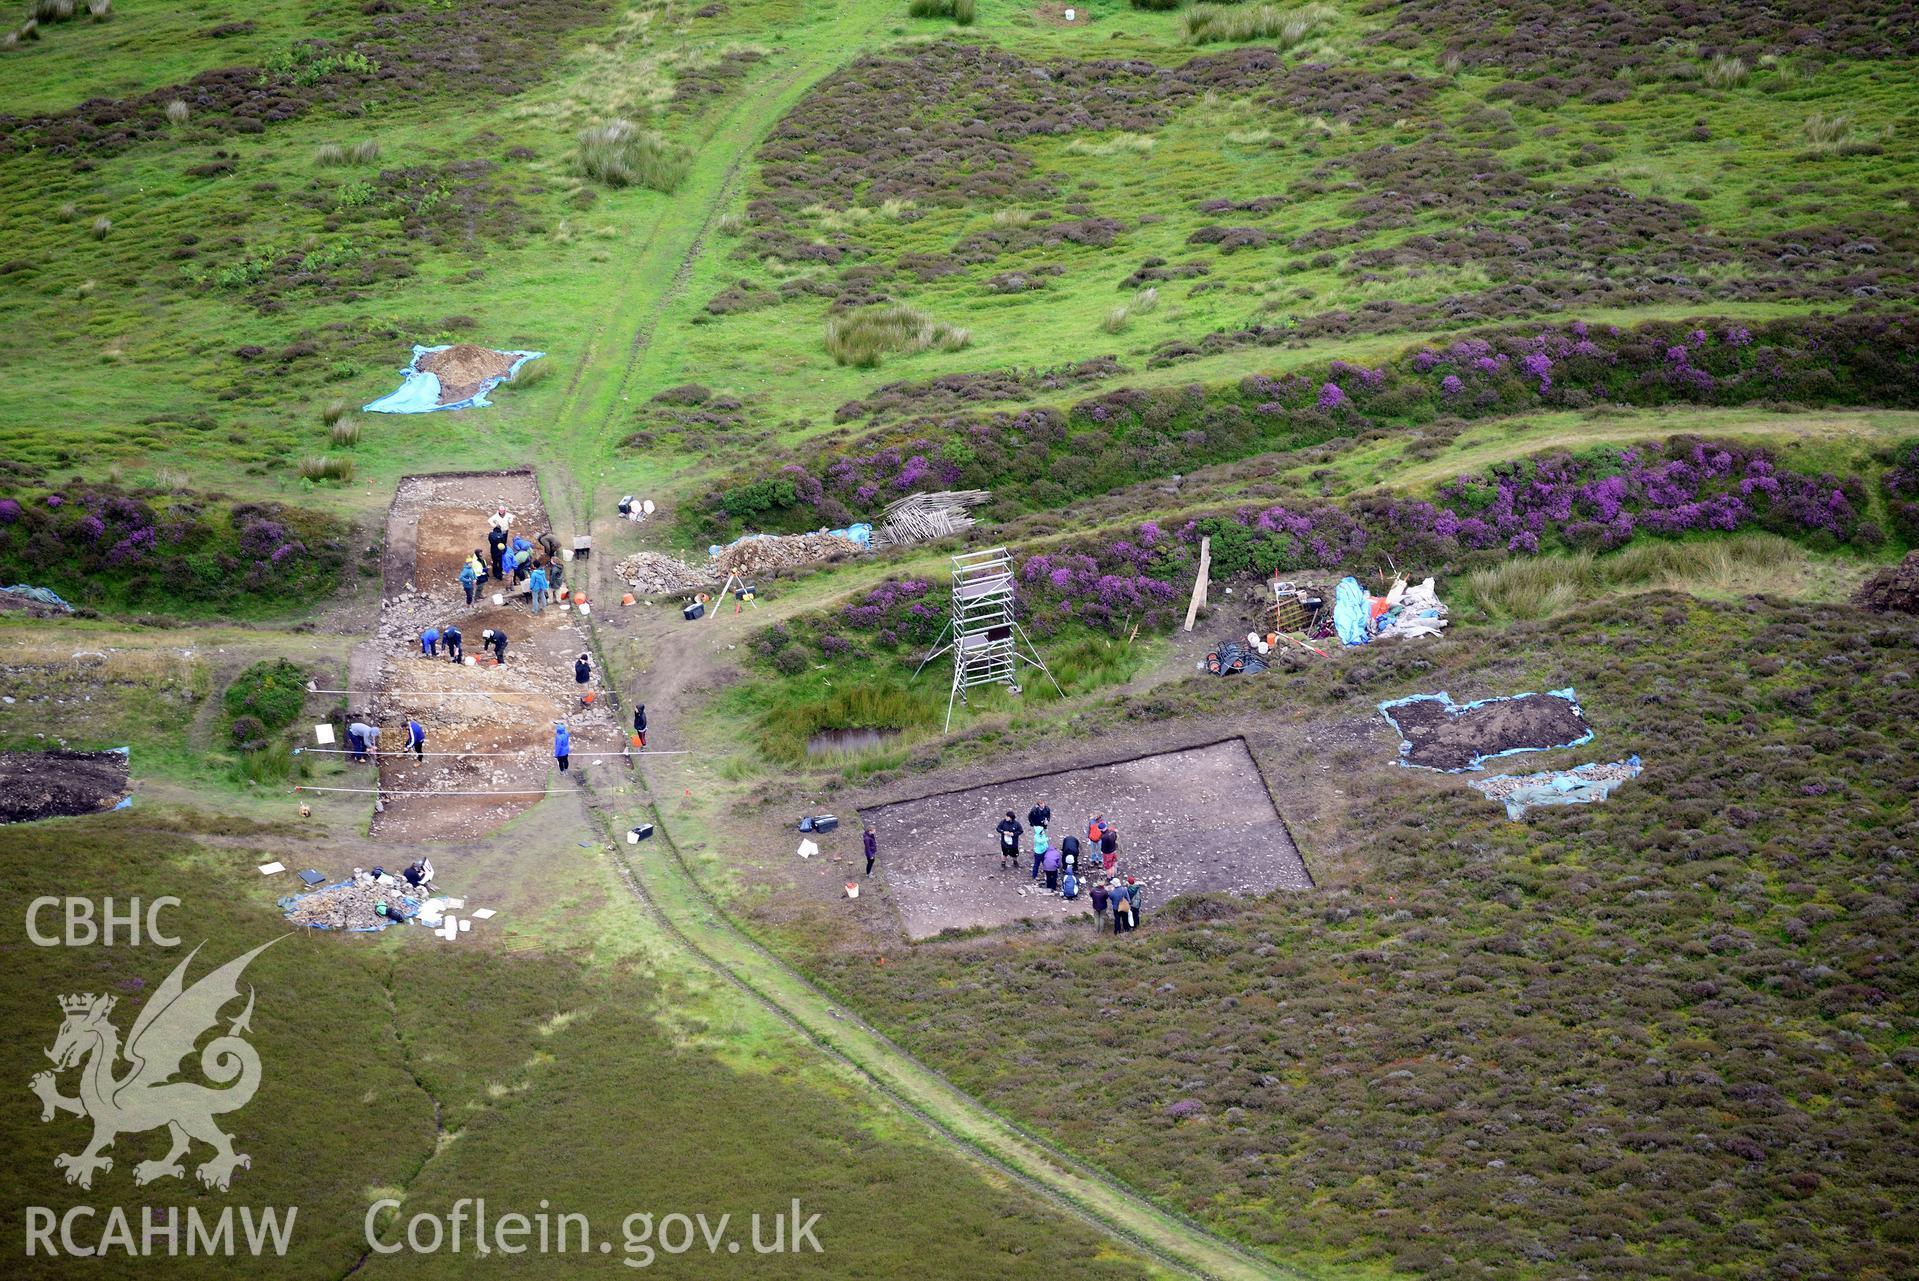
pixel 1352 612
pixel 1578 786
pixel 40 595
pixel 1477 762
pixel 420 392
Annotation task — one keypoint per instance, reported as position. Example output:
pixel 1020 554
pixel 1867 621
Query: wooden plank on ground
pixel 1199 581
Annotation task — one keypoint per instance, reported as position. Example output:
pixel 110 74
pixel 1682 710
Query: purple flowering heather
pixel 1538 365
pixel 1331 397
pixel 9 511
pixel 1450 386
pixel 55 500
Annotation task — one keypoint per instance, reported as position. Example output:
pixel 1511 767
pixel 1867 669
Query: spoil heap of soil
pixel 652 573
pixel 784 551
pixel 1447 738
pixel 52 784
pixel 463 367
pixel 1894 589
pixel 345 907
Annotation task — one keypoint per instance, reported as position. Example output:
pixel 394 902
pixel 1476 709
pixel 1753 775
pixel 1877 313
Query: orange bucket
pixel 627 599
pixel 579 598
pixel 586 699
pixel 633 741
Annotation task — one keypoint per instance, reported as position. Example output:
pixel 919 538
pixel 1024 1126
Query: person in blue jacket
pixel 469 579
pixel 562 744
pixel 430 643
pixel 537 582
pixel 451 636
pixel 416 739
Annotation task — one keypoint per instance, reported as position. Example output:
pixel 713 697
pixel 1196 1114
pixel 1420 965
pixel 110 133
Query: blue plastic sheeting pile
pixel 1352 613
pixel 1579 786
pixel 408 908
pixel 39 595
pixel 861 533
pixel 420 392
pixel 1478 762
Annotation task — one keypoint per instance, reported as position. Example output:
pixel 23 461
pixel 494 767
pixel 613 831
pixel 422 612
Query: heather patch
pixel 1129 435
pixel 105 545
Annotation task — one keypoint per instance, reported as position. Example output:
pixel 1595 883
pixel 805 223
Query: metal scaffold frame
pixel 983 634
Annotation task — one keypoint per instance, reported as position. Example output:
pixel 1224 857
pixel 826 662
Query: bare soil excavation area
pixel 1445 736
pixel 1189 821
pixel 55 784
pixel 503 716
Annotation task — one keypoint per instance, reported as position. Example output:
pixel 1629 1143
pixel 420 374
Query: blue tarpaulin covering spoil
pixel 420 392
pixel 1579 786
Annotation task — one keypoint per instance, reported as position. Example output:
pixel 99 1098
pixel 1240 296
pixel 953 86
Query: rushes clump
pixel 1727 72
pixel 860 338
pixel 960 11
pixel 621 154
pixel 1286 28
pixel 319 467
pixel 1828 130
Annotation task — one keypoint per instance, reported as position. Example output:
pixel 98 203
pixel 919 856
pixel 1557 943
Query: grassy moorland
pixel 1606 317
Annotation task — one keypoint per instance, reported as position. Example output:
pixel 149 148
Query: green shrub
pixel 270 693
pixel 620 154
pixel 747 501
pixel 859 338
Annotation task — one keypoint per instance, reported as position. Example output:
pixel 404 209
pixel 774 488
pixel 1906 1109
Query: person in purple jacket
pixel 1050 863
pixel 872 844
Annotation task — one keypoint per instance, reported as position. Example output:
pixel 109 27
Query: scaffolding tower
pixel 982 634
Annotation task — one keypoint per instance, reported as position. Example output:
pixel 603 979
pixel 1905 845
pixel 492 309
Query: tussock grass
pixel 178 112
pixel 364 152
pixel 1121 316
pixel 860 338
pixel 621 154
pixel 1285 28
pixel 858 215
pixel 319 467
pixel 328 154
pixel 960 11
pixel 1543 586
pixel 1120 143
pixel 1012 218
pixel 102 226
pixel 533 371
pixel 344 433
pixel 333 412
pixel 1727 72
pixel 100 10
pixel 1825 129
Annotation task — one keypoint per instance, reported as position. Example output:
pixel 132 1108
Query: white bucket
pixel 585 610
pixel 566 553
pixel 564 607
pixel 499 598
pixel 470 661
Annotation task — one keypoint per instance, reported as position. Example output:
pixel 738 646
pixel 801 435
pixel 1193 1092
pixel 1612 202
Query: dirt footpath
pixel 1188 821
pixel 502 717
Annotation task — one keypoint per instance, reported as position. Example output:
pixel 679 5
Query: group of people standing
pixel 514 560
pixel 1062 864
